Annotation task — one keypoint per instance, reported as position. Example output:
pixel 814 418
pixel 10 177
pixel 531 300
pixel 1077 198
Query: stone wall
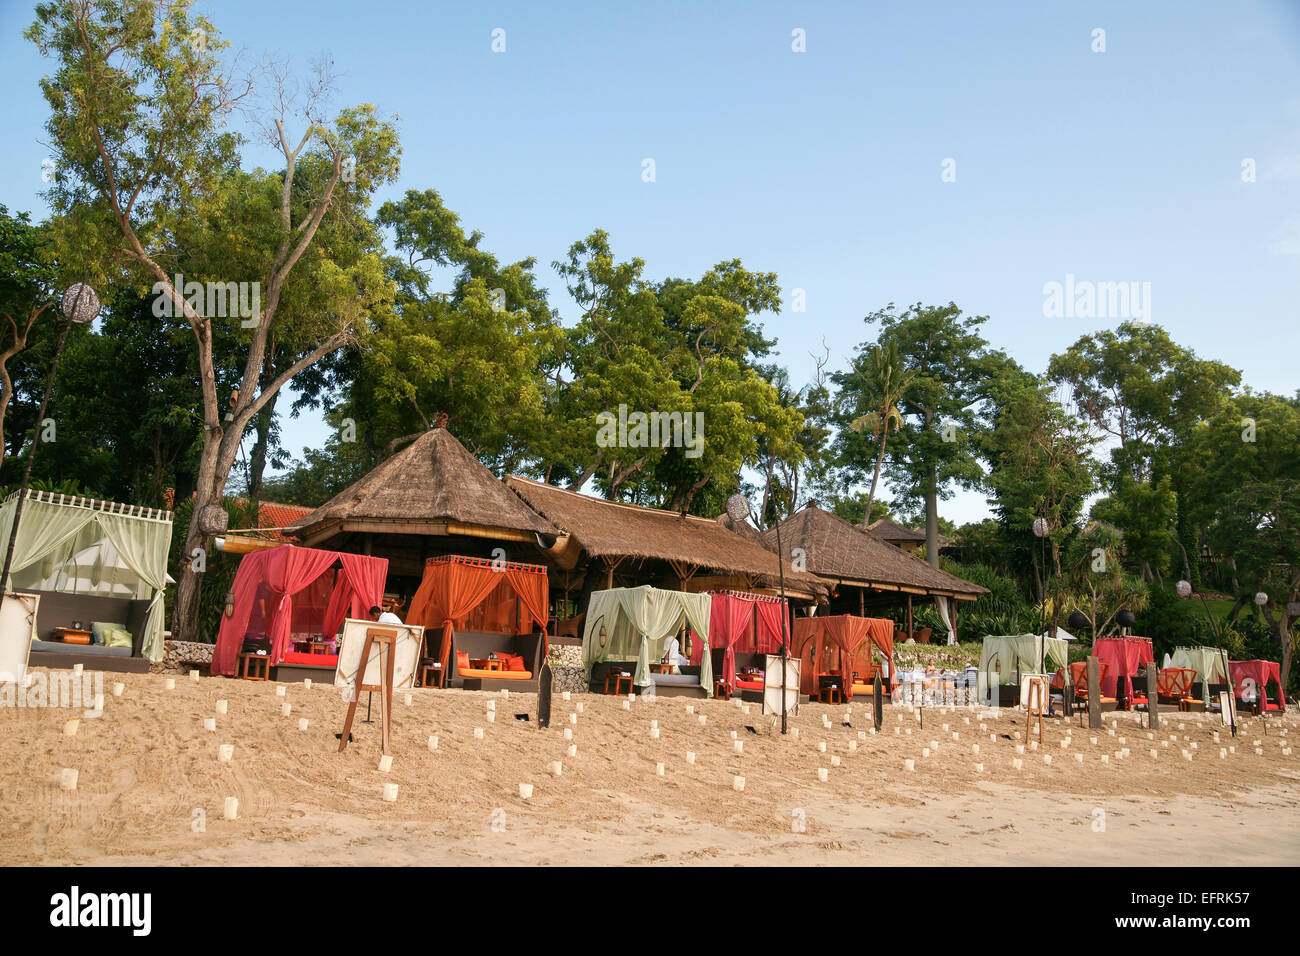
pixel 566 669
pixel 180 656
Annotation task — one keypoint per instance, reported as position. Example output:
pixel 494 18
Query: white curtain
pixel 43 528
pixel 941 603
pixel 638 622
pixel 142 546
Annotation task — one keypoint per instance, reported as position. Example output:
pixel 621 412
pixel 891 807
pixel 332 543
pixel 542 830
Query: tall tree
pixel 884 384
pixel 27 289
pixel 146 169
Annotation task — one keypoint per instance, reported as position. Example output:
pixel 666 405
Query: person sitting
pixel 384 617
pixel 673 655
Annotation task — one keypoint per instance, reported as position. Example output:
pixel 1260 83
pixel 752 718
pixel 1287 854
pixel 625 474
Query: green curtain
pixel 638 622
pixel 1206 661
pixel 142 545
pixel 1019 652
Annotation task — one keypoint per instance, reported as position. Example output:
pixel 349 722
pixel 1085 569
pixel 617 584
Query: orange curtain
pixel 534 594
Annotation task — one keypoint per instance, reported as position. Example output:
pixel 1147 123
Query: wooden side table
pixel 830 694
pixel 661 667
pixel 485 663
pixel 618 677
pixel 721 689
pixel 254 666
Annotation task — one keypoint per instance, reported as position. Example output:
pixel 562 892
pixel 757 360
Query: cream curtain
pixel 1018 653
pixel 941 603
pixel 141 544
pixel 638 622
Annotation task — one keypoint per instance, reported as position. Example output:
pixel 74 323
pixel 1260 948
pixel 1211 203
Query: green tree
pixel 884 385
pixel 27 289
pixel 146 169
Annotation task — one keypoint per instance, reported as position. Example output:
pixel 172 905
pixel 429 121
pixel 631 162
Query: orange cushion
pixel 496 675
pixel 513 662
pixel 462 660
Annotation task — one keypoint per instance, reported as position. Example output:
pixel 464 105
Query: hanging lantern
pixel 738 508
pixel 1040 527
pixel 603 636
pixel 1261 598
pixel 1126 618
pixel 1079 621
pixel 213 519
pixel 80 303
pixel 1183 589
pixel 229 609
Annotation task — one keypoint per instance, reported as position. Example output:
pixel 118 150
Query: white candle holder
pixel 566 695
pixel 302 723
pixel 286 709
pixel 704 719
pixel 433 741
pixel 738 746
pixel 222 707
pixel 118 688
pixel 385 763
pixel 925 751
pixel 579 707
pixel 226 753
pixel 209 723
pixel 280 690
pixel 169 683
pixel 194 676
pixel 659 770
pixel 78 668
pixel 654 733
pixel 68 778
pixel 231 809
pixel 835 760
pixel 390 792
pixel 408 699
pixel 557 768
pixel 478 733
pixel 823 774
pixel 573 750
pixel 738 783
pixel 306 683
pixel 491 716
pixel 70 727
pixel 525 791
pixel 573 718
pixel 690 756
pixel 1017 763
pixel 568 733
pixel 909 765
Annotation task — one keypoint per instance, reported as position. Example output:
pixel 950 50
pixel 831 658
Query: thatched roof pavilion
pixel 856 560
pixel 431 498
pixel 648 546
pixel 909 539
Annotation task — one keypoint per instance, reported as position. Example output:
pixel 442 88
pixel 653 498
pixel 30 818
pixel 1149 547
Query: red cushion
pixel 322 660
pixel 750 684
pixel 462 660
pixel 513 662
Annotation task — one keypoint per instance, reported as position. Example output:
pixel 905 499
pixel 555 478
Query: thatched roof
pixel 889 530
pixel 846 553
pixel 431 483
pixel 611 529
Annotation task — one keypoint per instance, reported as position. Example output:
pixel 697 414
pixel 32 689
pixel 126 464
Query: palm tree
pixel 885 382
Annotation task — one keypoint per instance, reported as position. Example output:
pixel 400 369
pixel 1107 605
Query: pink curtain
pixel 248 579
pixel 360 587
pixel 1261 672
pixel 729 623
pixel 288 570
pixel 1125 655
pixel 769 626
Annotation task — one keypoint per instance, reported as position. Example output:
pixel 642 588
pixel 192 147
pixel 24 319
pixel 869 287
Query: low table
pixel 71 635
pixel 830 694
pixel 661 667
pixel 486 664
pixel 618 677
pixel 255 666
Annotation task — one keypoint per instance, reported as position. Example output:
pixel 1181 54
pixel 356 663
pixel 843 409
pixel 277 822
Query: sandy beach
pixel 151 790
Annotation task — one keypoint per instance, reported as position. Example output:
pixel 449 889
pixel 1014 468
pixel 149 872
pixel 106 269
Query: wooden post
pixel 909 615
pixel 1094 693
pixel 862 602
pixel 1153 697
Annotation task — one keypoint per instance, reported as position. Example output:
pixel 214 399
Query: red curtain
pixel 730 620
pixel 1261 672
pixel 1125 656
pixel 769 626
pixel 360 587
pixel 277 575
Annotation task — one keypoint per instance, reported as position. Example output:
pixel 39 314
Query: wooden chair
pixel 923 635
pixel 432 673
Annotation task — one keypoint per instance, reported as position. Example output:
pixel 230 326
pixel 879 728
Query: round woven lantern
pixel 1183 589
pixel 80 303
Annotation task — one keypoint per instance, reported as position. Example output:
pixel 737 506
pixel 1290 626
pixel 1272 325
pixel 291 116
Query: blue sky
pixel 825 166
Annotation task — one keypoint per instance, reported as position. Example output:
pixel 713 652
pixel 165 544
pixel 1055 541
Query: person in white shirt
pixel 673 654
pixel 384 617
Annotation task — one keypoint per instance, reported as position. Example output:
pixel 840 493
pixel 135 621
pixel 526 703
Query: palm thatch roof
pixel 433 486
pixel 889 530
pixel 612 530
pixel 843 552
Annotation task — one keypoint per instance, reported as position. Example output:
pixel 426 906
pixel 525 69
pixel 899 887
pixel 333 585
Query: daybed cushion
pixel 496 675
pixel 749 684
pixel 681 680
pixel 58 647
pixel 118 637
pixel 861 688
pixel 319 660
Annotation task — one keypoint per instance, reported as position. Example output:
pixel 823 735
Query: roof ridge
pixel 617 504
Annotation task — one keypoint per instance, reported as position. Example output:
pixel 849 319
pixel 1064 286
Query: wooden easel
pixel 1034 694
pixel 386 640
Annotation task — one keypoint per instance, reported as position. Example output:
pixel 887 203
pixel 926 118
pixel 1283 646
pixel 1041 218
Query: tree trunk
pixel 257 455
pixel 875 477
pixel 932 516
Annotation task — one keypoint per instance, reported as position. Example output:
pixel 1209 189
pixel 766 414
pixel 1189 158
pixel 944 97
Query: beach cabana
pixel 1206 661
pixel 742 623
pixel 1250 681
pixel 287 598
pixel 1011 655
pixel 635 624
pixel 830 645
pixel 90 561
pixel 1125 655
pixel 487 612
